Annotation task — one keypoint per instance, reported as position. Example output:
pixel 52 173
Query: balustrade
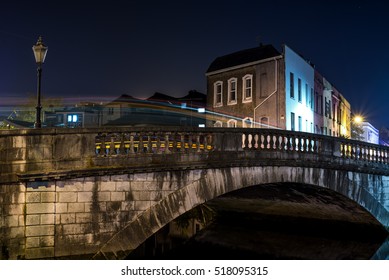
pixel 151 142
pixel 166 142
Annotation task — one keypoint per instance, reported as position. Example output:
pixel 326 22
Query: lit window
pixel 247 122
pixel 218 124
pixel 292 121
pixel 232 98
pixel 247 88
pixel 299 90
pixel 232 123
pixel 72 118
pixel 291 84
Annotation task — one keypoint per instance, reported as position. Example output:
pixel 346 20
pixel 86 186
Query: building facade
pixel 261 87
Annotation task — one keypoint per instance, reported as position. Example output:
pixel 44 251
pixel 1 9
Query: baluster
pixel 310 150
pixel 289 140
pixel 244 137
pixel 102 151
pixel 304 144
pixel 131 147
pixel 256 137
pixel 250 141
pixel 112 146
pixel 352 152
pixel 277 143
pixel 167 143
pixel 182 137
pixel 122 150
pixel 140 143
pixel 198 143
pixel 190 142
pixel 266 141
pixel 271 142
pixel 149 147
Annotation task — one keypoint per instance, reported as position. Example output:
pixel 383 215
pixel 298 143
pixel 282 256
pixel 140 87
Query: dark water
pixel 267 222
pixel 244 237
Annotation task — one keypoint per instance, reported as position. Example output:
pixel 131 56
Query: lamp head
pixel 40 51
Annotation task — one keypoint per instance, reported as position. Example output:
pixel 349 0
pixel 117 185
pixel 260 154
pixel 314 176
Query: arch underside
pixel 366 190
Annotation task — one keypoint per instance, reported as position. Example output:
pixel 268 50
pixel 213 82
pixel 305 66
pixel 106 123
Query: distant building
pixel 82 115
pixel 261 87
pixel 370 133
pixel 158 110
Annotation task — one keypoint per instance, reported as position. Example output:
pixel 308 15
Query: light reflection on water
pixel 382 252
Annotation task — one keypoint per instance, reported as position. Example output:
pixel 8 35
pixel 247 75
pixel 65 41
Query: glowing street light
pixel 40 51
pixel 358 119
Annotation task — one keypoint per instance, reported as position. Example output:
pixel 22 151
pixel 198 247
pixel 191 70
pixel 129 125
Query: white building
pixel 370 133
pixel 299 84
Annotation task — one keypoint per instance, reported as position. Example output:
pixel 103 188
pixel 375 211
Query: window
pixel 247 88
pixel 73 118
pixel 299 90
pixel 218 124
pixel 292 125
pixel 247 122
pixel 110 111
pixel 300 123
pixel 232 98
pixel 232 123
pixel 312 100
pixel 264 122
pixel 306 95
pixel 218 92
pixel 291 82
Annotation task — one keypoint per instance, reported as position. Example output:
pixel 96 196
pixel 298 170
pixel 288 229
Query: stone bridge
pixel 102 192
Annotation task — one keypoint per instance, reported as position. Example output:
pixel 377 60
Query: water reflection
pixel 267 222
pixel 236 236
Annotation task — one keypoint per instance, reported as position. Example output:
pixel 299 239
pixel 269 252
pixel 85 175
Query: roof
pixel 243 57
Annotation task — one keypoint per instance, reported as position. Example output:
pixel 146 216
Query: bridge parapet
pixel 57 153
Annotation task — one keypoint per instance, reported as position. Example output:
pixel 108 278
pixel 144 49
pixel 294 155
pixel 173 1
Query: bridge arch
pixel 212 183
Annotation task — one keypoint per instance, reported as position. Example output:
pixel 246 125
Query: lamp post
pixel 40 51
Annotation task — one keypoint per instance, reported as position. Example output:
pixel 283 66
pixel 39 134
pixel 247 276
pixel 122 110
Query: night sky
pixel 99 50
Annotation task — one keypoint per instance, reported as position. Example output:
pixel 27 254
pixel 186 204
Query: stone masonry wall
pixel 73 218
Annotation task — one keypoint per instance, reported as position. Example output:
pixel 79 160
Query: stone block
pixel 33 219
pixel 108 187
pixel 84 196
pixel 36 208
pixel 16 209
pixel 141 195
pixel 46 241
pixel 40 253
pixel 141 205
pixel 123 186
pixel 18 198
pixel 32 242
pixel 12 221
pixel 71 229
pixel 47 219
pixel 83 218
pixel 137 186
pixel 39 230
pixel 67 197
pixel 76 207
pixel 117 196
pixel 68 218
pixel 104 196
pixel 61 207
pixel 48 197
pixel 33 197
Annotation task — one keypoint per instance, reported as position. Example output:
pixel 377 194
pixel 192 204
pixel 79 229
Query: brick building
pixel 262 87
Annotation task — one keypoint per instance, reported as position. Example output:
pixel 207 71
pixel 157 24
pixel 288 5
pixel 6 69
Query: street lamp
pixel 40 51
